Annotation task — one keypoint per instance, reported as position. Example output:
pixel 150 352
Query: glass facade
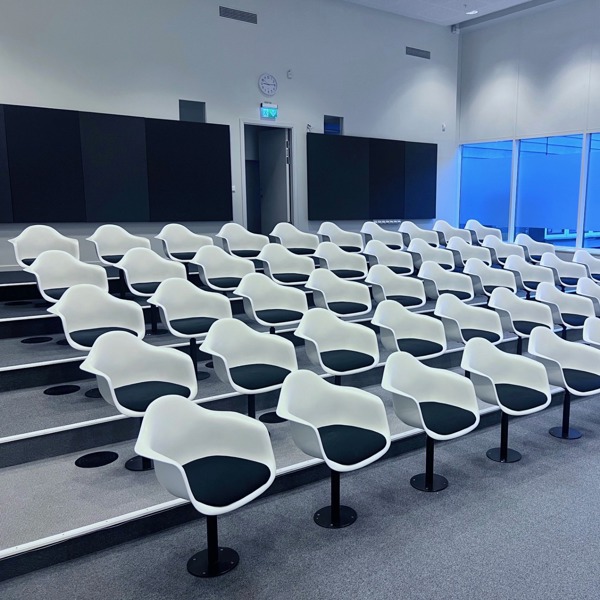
pixel 592 205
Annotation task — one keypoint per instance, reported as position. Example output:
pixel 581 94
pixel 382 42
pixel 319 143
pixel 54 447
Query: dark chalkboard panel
pixel 421 180
pixel 6 215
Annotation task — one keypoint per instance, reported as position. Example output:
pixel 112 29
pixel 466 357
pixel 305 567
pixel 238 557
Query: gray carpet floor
pixel 528 530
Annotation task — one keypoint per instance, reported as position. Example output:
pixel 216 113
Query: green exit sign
pixel 269 111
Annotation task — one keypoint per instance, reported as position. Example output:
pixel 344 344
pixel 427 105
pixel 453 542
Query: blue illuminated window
pixel 485 183
pixel 592 206
pixel 548 188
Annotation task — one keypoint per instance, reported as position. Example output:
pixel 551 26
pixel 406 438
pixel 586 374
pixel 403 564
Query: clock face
pixel 267 84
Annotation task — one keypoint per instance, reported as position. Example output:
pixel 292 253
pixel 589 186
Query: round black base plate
pixel 93 393
pixel 323 517
pixel 198 564
pixel 40 339
pixel 62 342
pixel 61 390
pixel 139 463
pixel 573 434
pixel 511 455
pixel 439 483
pixel 96 459
pixel 202 375
pixel 271 417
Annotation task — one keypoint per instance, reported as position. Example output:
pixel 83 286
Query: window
pixel 333 125
pixel 592 203
pixel 548 188
pixel 485 183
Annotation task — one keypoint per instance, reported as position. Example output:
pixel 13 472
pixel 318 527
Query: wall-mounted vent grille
pixel 416 52
pixel 238 15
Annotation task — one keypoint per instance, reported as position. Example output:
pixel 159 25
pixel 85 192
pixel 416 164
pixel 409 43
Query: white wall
pixel 536 73
pixel 139 57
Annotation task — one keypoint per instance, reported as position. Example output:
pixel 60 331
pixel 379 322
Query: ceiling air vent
pixel 416 52
pixel 238 15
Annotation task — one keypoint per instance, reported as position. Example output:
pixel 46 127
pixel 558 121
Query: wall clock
pixel 267 84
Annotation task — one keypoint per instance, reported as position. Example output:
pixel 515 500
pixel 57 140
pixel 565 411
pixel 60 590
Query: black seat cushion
pixel 301 251
pixel 246 253
pixel 347 308
pixel 582 381
pixel 138 396
pixel 346 360
pixel 573 319
pixel 394 246
pixel 183 255
pixel 223 480
pixel 278 315
pixel 569 280
pixel 351 248
pixel 55 293
pixel 526 327
pixel 225 282
pixel 27 261
pixel 192 325
pixel 418 347
pixel 146 287
pixel 257 376
pixel 290 277
pixel 112 258
pixel 519 397
pixel 349 445
pixel 447 267
pixel 531 284
pixel 536 257
pixel 468 333
pixel 490 288
pixel 406 300
pixel 400 270
pixel 87 337
pixel 596 276
pixel 347 273
pixel 445 419
pixel 460 295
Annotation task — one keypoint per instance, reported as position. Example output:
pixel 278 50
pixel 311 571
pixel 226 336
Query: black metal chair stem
pixel 214 560
pixel 139 463
pixel 429 481
pixel 336 515
pixel 252 406
pixel 194 354
pixel 504 454
pixel 564 431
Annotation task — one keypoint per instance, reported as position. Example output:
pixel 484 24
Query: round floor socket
pixel 61 390
pixel 93 393
pixel 96 459
pixel 62 342
pixel 36 340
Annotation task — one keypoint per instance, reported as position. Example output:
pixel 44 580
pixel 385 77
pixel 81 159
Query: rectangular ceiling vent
pixel 419 53
pixel 238 15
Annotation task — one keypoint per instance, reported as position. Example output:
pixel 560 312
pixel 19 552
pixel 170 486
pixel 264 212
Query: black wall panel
pixel 189 171
pixel 6 215
pixel 421 180
pixel 46 173
pixel 338 177
pixel 386 179
pixel 114 167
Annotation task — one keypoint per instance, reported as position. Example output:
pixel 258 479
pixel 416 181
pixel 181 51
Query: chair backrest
pixel 489 276
pixel 181 299
pixel 386 283
pixel 114 241
pixel 503 249
pixel 291 237
pixel 175 432
pixel 535 248
pixel 564 268
pixel 264 294
pixel 449 231
pixel 373 231
pixel 178 238
pixel 389 257
pixel 527 271
pixel 589 288
pixel 238 237
pixel 482 230
pixel 591 331
pixel 35 239
pixel 583 257
pixel 215 262
pixel 330 232
pixel 414 232
pixel 566 303
pixel 509 305
pixel 56 269
pixel 467 250
pixel 448 307
pixel 426 252
pixel 337 258
pixel 143 265
pixel 446 280
pixel 336 289
pixel 280 260
pixel 396 322
pixel 86 306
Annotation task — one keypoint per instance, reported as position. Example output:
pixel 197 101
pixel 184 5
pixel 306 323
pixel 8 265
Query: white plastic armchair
pixel 583 257
pixel 219 270
pixel 486 279
pixel 387 285
pixel 448 232
pixel 411 232
pixel 438 281
pixel 588 288
pixel 566 273
pixel 534 248
pixel 181 244
pixel 399 261
pixel 482 230
pixel 348 265
pixel 350 241
pixel 35 239
pixel 342 297
pixel 284 266
pixel 500 250
pixel 296 241
pixel 111 243
pixel 568 310
pixel 237 240
pixel 463 251
pixel 422 252
pixel 374 232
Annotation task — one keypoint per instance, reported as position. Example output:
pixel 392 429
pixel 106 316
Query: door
pixel 274 167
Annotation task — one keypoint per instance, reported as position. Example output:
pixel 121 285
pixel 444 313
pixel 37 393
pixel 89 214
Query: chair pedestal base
pixel 139 463
pixel 571 434
pixel 93 393
pixel 271 418
pixel 325 517
pixel 438 483
pixel 199 565
pixel 495 454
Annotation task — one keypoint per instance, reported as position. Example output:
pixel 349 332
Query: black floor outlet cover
pixel 36 340
pixel 96 459
pixel 61 390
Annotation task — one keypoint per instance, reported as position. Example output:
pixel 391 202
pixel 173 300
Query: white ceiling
pixel 441 12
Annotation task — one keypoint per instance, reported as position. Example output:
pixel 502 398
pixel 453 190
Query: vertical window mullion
pixel 583 179
pixel 514 176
